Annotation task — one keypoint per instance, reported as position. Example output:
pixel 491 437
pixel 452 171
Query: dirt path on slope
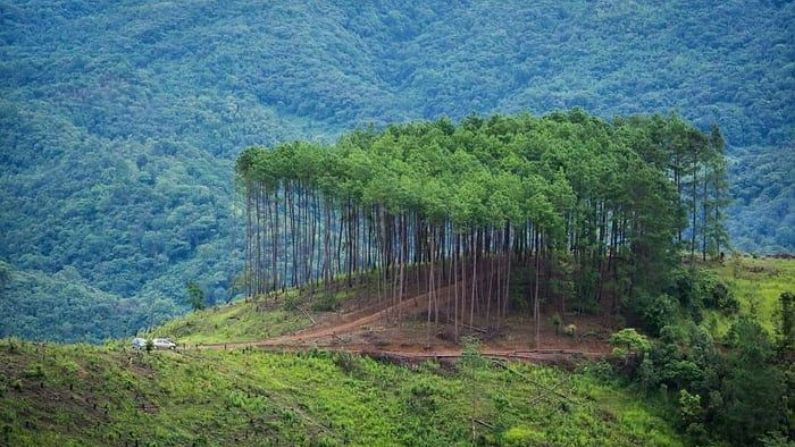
pixel 353 321
pixel 330 334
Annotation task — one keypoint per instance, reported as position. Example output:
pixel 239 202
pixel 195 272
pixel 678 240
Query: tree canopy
pixel 615 199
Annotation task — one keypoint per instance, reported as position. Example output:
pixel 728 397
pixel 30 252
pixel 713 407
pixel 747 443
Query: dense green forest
pixel 119 121
pixel 763 189
pixel 598 211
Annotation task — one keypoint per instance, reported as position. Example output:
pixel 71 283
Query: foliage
pixel 41 306
pixel 629 341
pixel 116 142
pixel 755 283
pixel 763 189
pixel 786 329
pixel 692 414
pixel 754 397
pixel 195 295
pixel 242 397
pixel 552 189
pixel 732 383
pixel 656 312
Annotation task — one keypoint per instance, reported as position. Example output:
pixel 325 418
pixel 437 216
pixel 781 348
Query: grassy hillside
pixel 757 284
pixel 53 394
pixel 239 321
pixel 119 119
pixel 88 395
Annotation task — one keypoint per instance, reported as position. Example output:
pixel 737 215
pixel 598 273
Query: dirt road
pixel 329 334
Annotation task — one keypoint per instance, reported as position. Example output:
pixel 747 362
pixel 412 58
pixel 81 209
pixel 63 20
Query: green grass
pixel 87 395
pixel 247 320
pixel 757 283
pixel 236 322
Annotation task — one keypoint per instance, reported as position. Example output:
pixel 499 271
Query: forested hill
pixel 119 119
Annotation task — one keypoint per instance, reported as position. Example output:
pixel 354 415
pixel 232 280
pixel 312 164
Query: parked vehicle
pixel 139 343
pixel 164 343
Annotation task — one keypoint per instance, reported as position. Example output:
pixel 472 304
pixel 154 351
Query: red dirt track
pixel 374 331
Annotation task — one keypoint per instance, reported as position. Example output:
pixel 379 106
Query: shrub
pixel 521 436
pixel 692 414
pixel 720 298
pixel 422 397
pixel 345 361
pixel 34 371
pixel 570 330
pixel 470 357
pixel 629 342
pixel 786 329
pixel 656 312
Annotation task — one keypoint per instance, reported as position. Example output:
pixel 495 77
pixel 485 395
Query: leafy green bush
pixel 656 312
pixel 346 361
pixel 520 436
pixel 35 371
pixel 424 397
pixel 291 303
pixel 629 342
pixel 721 298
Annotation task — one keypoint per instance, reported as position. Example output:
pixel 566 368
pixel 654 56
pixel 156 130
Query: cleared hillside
pixel 63 395
pixel 54 394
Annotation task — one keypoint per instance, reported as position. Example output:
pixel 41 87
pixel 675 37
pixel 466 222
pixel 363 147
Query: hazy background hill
pixel 119 120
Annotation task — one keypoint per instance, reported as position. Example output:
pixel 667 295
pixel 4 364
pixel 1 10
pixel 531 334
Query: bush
pixel 720 298
pixel 691 413
pixel 629 342
pixel 470 357
pixel 291 303
pixel 423 397
pixel 34 371
pixel 656 312
pixel 345 361
pixel 522 436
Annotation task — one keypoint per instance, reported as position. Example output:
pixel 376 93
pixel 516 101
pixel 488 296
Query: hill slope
pixel 56 395
pixel 119 120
